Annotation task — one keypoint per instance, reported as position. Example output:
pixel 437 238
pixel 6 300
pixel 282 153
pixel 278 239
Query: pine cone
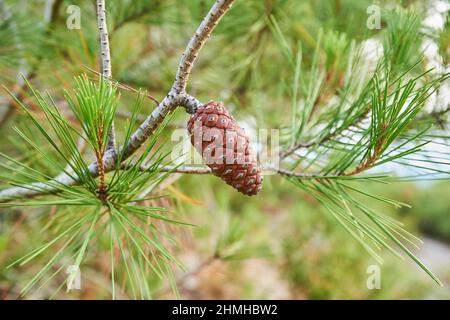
pixel 225 147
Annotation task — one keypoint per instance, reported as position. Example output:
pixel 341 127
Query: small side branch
pixel 104 40
pixel 206 170
pixel 294 148
pixel 105 55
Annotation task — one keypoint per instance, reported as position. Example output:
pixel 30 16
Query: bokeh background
pixel 279 245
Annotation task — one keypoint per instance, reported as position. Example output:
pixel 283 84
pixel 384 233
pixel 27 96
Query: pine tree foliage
pixel 120 215
pixel 341 115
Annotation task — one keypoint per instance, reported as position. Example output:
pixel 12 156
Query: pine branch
pixel 175 97
pixel 206 170
pixel 370 161
pixel 105 57
pixel 104 40
pixel 101 166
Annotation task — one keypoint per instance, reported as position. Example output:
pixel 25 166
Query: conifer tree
pixel 90 154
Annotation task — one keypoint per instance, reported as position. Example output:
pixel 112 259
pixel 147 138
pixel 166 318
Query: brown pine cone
pixel 225 147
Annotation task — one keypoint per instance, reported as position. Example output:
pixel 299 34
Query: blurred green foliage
pixel 433 210
pixel 314 256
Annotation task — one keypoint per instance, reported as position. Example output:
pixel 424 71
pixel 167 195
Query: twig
pixel 371 160
pixel 101 192
pixel 206 170
pixel 296 147
pixel 105 57
pixel 174 98
pixel 304 175
pixel 104 40
pixel 176 169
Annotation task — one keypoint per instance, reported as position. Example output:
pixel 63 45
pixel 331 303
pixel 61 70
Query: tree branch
pixel 175 97
pixel 105 56
pixel 104 40
pixel 206 170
